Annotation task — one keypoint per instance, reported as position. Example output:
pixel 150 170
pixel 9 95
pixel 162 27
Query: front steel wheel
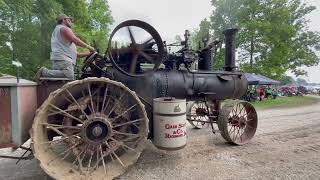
pixel 89 129
pixel 238 122
pixel 198 114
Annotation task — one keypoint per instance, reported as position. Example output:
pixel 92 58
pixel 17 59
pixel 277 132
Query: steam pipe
pixel 230 49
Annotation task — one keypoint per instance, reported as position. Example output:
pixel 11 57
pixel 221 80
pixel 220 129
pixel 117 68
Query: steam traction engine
pixel 96 127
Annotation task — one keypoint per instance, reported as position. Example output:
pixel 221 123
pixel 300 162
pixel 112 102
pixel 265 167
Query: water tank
pixel 169 123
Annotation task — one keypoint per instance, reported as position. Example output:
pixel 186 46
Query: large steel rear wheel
pixel 237 122
pixel 89 129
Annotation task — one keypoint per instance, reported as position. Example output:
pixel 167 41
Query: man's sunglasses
pixel 70 19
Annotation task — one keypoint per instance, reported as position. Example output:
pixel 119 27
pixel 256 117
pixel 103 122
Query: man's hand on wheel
pixel 84 54
pixel 90 48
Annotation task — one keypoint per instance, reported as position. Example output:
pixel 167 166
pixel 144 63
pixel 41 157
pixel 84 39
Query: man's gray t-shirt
pixel 60 49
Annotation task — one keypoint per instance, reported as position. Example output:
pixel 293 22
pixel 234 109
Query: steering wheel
pixel 93 66
pixel 135 57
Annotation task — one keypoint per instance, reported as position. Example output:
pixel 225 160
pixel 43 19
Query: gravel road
pixel 286 146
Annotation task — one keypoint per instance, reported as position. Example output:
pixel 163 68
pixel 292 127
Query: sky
pixel 314 24
pixel 173 17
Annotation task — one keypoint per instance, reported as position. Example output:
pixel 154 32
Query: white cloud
pixel 314 25
pixel 168 17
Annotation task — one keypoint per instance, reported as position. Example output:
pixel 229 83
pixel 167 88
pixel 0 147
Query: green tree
pixel 285 80
pixel 301 81
pixel 18 34
pixel 100 18
pixel 204 35
pixel 26 27
pixel 201 35
pixel 224 16
pixel 273 37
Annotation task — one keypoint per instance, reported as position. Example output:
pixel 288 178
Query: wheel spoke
pixel 75 101
pixel 97 90
pixel 115 155
pixel 81 159
pixel 146 42
pixel 123 113
pixel 90 109
pixel 63 112
pixel 201 105
pixel 128 120
pixel 103 162
pixel 107 104
pixel 124 50
pixel 90 95
pixel 58 112
pixel 97 150
pixel 244 133
pixel 64 152
pixel 126 123
pixel 123 133
pixel 61 126
pixel 248 113
pixel 119 160
pixel 236 112
pixel 146 56
pixel 89 163
pixel 116 104
pixel 248 120
pixel 70 101
pixel 230 129
pixel 110 150
pixel 104 99
pixel 241 111
pixel 98 99
pixel 124 145
pixel 79 155
pixel 232 113
pixel 59 140
pixel 57 131
pixel 250 126
pixel 131 35
pixel 133 63
pixel 234 129
pixel 130 139
pixel 236 135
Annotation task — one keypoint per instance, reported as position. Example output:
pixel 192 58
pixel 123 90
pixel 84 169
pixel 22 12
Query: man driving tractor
pixel 63 50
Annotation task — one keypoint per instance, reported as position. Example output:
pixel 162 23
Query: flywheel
pixel 238 121
pixel 93 128
pixel 135 48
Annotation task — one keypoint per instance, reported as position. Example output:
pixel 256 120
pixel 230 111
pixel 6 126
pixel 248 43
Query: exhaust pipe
pixel 230 49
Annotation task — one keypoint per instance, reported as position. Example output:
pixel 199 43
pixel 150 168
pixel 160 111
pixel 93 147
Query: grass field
pixel 285 102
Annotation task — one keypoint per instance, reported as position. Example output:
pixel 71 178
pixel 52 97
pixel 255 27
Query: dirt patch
pixel 286 146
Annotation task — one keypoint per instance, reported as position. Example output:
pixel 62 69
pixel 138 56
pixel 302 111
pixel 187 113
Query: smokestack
pixel 230 51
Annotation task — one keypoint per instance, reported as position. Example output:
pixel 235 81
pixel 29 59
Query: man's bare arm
pixel 83 54
pixel 70 36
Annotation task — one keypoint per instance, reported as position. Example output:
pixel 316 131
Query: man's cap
pixel 63 16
